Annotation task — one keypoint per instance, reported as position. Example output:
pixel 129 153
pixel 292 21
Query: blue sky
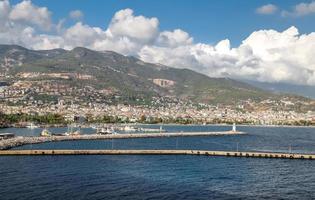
pixel 206 21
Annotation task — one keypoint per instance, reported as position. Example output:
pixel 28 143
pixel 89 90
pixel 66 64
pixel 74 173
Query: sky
pixel 268 41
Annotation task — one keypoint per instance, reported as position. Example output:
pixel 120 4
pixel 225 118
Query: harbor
pixel 24 140
pixel 158 152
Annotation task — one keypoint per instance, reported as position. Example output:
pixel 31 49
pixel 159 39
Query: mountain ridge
pixel 125 75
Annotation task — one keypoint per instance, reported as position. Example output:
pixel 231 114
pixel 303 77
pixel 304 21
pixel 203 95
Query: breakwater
pixel 160 152
pixel 24 140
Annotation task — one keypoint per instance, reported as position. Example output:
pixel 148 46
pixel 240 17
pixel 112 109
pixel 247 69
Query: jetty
pixel 24 140
pixel 159 152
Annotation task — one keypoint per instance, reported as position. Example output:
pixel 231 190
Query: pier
pixel 158 152
pixel 24 140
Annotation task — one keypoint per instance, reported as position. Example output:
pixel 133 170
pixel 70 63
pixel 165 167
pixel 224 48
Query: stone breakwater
pixel 24 140
pixel 159 152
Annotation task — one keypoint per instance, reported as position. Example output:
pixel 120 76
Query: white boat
pixel 77 132
pixel 31 126
pixel 153 130
pixel 105 131
pixel 71 132
pixel 45 133
pixel 130 129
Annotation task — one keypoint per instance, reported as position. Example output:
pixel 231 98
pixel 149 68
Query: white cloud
pixel 4 9
pixel 265 55
pixel 267 9
pixel 4 13
pixel 28 13
pixel 76 14
pixel 301 9
pixel 81 35
pixel 140 28
pixel 174 38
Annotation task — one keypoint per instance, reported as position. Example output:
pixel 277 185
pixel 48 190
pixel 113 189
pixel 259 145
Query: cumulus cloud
pixel 174 38
pixel 267 9
pixel 28 13
pixel 76 14
pixel 265 55
pixel 301 9
pixel 125 24
pixel 81 35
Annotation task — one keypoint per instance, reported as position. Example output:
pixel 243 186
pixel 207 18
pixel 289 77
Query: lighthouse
pixel 234 127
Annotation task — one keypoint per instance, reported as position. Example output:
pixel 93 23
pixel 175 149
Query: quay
pixel 24 140
pixel 159 152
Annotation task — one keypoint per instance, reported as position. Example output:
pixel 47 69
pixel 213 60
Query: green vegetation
pixel 130 77
pixel 7 120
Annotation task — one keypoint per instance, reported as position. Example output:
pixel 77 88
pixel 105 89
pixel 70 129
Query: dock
pixel 159 152
pixel 24 140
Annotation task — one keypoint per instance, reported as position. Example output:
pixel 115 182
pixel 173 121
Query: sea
pixel 151 177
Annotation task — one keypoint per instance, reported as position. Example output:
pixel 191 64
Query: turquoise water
pixel 166 177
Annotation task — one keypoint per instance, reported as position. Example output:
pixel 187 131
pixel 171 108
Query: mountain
pixel 120 75
pixel 303 90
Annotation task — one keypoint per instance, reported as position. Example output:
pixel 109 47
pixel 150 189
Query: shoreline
pixel 171 124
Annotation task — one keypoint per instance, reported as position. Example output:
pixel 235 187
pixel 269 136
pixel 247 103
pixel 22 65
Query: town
pixel 101 106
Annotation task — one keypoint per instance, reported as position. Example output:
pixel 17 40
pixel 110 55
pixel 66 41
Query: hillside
pixel 120 75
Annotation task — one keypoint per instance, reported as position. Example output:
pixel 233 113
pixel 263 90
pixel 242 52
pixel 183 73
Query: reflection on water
pixel 166 177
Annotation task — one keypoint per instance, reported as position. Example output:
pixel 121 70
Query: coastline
pixel 171 124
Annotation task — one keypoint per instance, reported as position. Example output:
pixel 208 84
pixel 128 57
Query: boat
pixel 153 130
pixel 45 133
pixel 105 131
pixel 130 129
pixel 77 132
pixel 31 126
pixel 71 132
pixel 58 134
pixel 94 127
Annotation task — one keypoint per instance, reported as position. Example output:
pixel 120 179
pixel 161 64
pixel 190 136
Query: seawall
pixel 23 140
pixel 158 152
